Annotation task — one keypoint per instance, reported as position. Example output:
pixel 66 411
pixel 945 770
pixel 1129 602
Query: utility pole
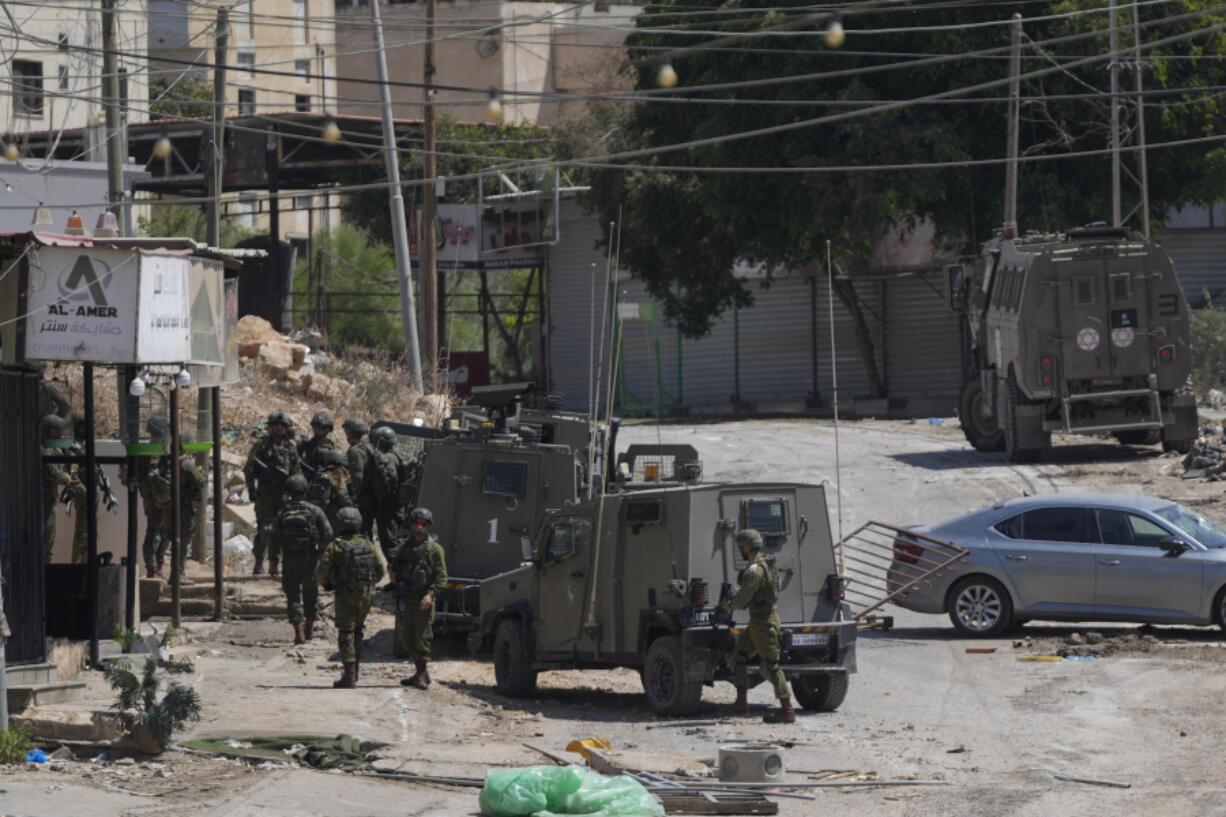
pixel 1113 21
pixel 400 235
pixel 110 96
pixel 1015 71
pixel 432 291
pixel 1141 160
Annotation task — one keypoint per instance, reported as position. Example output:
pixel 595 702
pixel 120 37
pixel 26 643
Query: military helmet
pixel 355 425
pixel 51 421
pixel 384 437
pixel 322 420
pixel 78 421
pixel 749 538
pixel 278 418
pixel 348 519
pixel 334 456
pixel 296 484
pixel 422 515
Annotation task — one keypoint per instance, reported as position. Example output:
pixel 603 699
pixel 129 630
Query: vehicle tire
pixel 1178 446
pixel 1140 436
pixel 982 431
pixel 821 692
pixel 513 674
pixel 664 679
pixel 1219 608
pixel 1010 396
pixel 980 607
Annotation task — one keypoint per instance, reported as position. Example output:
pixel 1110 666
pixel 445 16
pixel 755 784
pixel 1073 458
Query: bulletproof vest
pixel 768 592
pixel 277 456
pixel 319 492
pixel 160 482
pixel 360 566
pixel 366 480
pixel 415 570
pixel 298 526
pixel 408 471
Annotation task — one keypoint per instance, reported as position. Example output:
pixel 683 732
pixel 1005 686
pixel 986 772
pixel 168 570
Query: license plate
pixel 702 617
pixel 809 639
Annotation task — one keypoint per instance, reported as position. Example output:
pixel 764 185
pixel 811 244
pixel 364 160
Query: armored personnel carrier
pixel 636 578
pixel 1081 332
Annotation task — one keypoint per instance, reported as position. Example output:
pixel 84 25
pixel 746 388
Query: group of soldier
pixel 316 513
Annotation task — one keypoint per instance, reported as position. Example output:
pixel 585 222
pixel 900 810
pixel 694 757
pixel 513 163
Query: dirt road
pixel 997 730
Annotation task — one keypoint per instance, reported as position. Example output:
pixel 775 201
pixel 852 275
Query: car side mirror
pixel 956 283
pixel 1173 545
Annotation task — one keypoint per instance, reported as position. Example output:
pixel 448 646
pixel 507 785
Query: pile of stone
pixel 287 362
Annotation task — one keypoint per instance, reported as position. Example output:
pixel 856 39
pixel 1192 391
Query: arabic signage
pixel 469 236
pixel 113 306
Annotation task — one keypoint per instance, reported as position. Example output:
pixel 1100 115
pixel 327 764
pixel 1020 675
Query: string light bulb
pixel 137 387
pixel 332 132
pixel 666 77
pixel 162 148
pixel 835 35
pixel 11 151
pixel 493 109
pixel 183 379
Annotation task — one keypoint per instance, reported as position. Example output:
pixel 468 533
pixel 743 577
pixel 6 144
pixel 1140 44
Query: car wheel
pixel 980 606
pixel 664 679
pixel 982 431
pixel 1219 608
pixel 820 692
pixel 513 673
pixel 1009 398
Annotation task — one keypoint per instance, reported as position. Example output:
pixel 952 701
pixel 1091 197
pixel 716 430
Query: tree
pixel 189 97
pixel 682 232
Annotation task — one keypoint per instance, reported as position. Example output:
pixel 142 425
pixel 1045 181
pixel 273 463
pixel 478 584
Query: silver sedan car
pixel 1070 557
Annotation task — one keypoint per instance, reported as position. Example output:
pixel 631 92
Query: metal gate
pixel 882 562
pixel 21 518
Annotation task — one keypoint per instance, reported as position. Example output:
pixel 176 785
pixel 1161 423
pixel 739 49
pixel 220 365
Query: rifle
pixel 263 471
pixel 720 616
pixel 104 490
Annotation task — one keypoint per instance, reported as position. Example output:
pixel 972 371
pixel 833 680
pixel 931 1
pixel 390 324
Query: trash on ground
pixel 340 752
pixel 546 790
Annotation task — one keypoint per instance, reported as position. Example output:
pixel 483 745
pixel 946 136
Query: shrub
pixel 1208 330
pixel 14 745
pixel 178 704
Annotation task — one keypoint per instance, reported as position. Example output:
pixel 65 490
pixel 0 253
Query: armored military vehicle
pixel 636 577
pixel 1081 332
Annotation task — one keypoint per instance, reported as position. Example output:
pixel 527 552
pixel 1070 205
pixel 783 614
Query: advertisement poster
pixel 164 331
pixel 81 305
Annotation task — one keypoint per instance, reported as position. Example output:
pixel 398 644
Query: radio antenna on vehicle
pixel 834 376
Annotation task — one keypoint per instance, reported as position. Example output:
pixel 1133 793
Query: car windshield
pixel 1208 533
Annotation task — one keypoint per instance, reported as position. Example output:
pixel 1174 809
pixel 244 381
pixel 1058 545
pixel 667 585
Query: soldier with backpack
pixel 361 460
pixel 758 593
pixel 329 488
pixel 157 518
pixel 270 464
pixel 420 573
pixel 350 567
pixel 313 452
pixel 392 470
pixel 300 530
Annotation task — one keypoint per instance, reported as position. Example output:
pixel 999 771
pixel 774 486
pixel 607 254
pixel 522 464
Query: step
pixel 30 674
pixel 72 722
pixel 22 696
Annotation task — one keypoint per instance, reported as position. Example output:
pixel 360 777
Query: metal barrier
pixel 883 562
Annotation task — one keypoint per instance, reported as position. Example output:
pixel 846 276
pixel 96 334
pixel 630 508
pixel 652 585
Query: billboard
pixel 469 236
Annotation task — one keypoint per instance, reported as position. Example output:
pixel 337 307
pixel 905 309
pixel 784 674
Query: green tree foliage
pixel 189 97
pixel 163 715
pixel 1208 329
pixel 185 220
pixel 682 232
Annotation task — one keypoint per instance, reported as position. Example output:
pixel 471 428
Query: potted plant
pixel 155 719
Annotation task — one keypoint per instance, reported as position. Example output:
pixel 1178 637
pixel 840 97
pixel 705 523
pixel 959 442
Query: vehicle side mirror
pixel 957 286
pixel 1173 545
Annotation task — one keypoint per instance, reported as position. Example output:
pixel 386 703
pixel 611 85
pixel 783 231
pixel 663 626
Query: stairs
pixel 30 685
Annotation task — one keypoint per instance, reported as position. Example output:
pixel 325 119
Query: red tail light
pixel 1047 369
pixel 907 553
pixel 1166 354
pixel 836 586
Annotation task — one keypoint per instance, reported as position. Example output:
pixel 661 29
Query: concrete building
pixel 531 55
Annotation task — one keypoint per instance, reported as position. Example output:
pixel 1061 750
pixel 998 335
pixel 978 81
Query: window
pixel 246 23
pixel 644 512
pixel 1083 291
pixel 300 21
pixel 302 102
pixel 767 517
pixel 63 42
pixel 28 87
pixel 1207 532
pixel 1123 528
pixel 505 478
pixel 63 72
pixel 1011 527
pixel 1054 525
pixel 303 69
pixel 1121 286
pixel 246 102
pixel 248 207
pixel 246 62
pixel 566 538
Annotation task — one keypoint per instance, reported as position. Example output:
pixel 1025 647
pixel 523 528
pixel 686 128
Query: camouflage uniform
pixel 420 569
pixel 191 483
pixel 350 566
pixel 266 485
pixel 388 466
pixel 314 452
pixel 758 592
pixel 80 525
pixel 361 459
pixel 329 489
pixel 55 477
pixel 157 537
pixel 300 530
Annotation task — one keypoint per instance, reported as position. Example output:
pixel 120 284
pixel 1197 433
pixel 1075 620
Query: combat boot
pixel 424 681
pixel 259 566
pixel 784 714
pixel 273 570
pixel 414 680
pixel 348 679
pixel 740 706
pixel 308 630
pixel 151 572
pixel 299 635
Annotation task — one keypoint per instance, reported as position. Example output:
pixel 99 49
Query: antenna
pixel 834 374
pixel 1015 70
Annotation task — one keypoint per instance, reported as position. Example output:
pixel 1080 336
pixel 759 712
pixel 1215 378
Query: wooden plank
pixel 713 803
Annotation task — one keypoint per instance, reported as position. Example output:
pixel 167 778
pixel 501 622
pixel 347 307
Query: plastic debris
pixel 582 746
pixel 549 790
pixel 36 756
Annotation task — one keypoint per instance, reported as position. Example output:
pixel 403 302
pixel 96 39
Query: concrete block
pixel 277 357
pixel 299 352
pixel 89 724
pixel 30 674
pixel 69 657
pixel 24 696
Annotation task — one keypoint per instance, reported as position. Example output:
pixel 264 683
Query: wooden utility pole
pixel 1113 21
pixel 1015 70
pixel 111 102
pixel 216 158
pixel 1142 163
pixel 432 292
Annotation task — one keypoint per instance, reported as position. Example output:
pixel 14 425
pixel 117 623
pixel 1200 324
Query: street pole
pixel 1015 70
pixel 176 546
pixel 399 231
pixel 110 97
pixel 1116 218
pixel 432 291
pixel 1141 159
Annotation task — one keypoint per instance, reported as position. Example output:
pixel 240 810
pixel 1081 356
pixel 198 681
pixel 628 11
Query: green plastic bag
pixel 545 791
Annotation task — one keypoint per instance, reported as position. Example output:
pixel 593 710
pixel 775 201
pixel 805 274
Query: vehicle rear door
pixel 1049 557
pixel 498 499
pixel 565 549
pixel 772 513
pixel 1136 576
pixel 1082 317
pixel 1126 292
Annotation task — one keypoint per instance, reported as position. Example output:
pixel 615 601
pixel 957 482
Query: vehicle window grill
pixel 505 478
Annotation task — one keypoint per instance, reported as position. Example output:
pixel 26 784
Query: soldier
pixel 191 483
pixel 351 568
pixel 80 529
pixel 55 478
pixel 157 533
pixel 300 530
pixel 312 452
pixel 329 490
pixel 758 592
pixel 361 458
pixel 271 462
pixel 389 467
pixel 420 573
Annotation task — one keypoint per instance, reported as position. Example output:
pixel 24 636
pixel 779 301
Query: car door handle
pixel 1109 562
pixel 576 574
pixel 1015 557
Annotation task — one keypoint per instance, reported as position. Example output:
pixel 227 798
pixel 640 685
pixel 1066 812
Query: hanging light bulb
pixel 8 188
pixel 162 147
pixel 11 151
pixel 666 77
pixel 42 216
pixel 183 379
pixel 493 110
pixel 137 387
pixel 331 132
pixel 835 35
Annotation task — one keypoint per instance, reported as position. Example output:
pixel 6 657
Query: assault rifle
pixel 104 490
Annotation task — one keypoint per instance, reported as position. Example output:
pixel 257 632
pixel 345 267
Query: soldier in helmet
pixel 420 572
pixel 157 519
pixel 55 477
pixel 329 489
pixel 389 470
pixel 361 459
pixel 300 530
pixel 80 529
pixel 758 593
pixel 191 483
pixel 312 452
pixel 270 464
pixel 350 567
